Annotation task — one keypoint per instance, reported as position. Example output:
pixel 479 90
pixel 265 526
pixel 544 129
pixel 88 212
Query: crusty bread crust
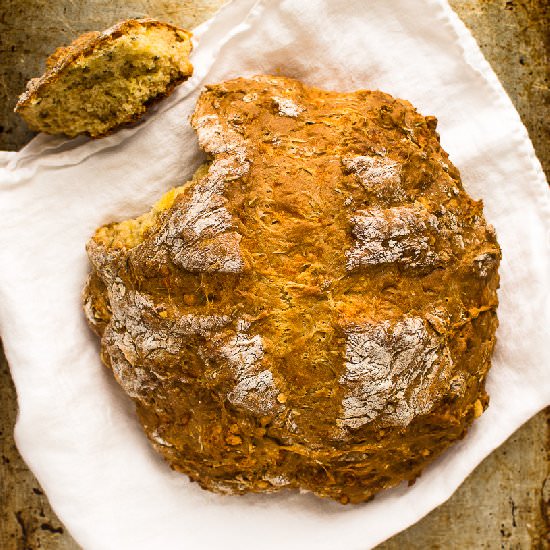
pixel 316 309
pixel 85 45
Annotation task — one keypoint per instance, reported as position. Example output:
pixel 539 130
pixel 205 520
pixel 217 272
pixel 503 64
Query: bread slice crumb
pixel 104 80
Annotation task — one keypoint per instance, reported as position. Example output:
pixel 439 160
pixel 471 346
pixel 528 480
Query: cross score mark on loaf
pixel 382 236
pixel 382 362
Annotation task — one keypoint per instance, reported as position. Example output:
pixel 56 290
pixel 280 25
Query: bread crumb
pixel 478 409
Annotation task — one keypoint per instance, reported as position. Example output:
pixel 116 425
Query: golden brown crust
pixel 85 45
pixel 317 310
pixel 82 45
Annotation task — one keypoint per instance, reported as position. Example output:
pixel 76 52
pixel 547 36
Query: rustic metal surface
pixel 505 503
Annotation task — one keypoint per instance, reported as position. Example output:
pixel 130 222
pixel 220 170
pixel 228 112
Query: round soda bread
pixel 315 309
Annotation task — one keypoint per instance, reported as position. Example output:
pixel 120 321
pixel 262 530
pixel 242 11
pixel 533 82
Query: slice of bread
pixel 107 79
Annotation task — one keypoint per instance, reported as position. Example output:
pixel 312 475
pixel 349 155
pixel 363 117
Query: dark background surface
pixel 505 502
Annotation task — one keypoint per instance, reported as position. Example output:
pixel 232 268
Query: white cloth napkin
pixel 76 429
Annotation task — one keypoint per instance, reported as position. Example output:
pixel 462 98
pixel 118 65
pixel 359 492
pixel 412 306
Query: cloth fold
pixel 77 430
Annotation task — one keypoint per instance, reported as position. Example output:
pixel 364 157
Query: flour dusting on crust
pixel 137 339
pixel 160 440
pixel 278 481
pixel 391 371
pixel 378 174
pixel 203 237
pixel 486 263
pixel 255 388
pixel 250 98
pixel 287 107
pixel 399 234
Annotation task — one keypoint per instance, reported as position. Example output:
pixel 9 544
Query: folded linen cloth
pixel 77 430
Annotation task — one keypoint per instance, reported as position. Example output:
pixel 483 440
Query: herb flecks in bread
pixel 107 79
pixel 316 309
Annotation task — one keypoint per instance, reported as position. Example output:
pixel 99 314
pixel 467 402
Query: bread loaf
pixel 315 309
